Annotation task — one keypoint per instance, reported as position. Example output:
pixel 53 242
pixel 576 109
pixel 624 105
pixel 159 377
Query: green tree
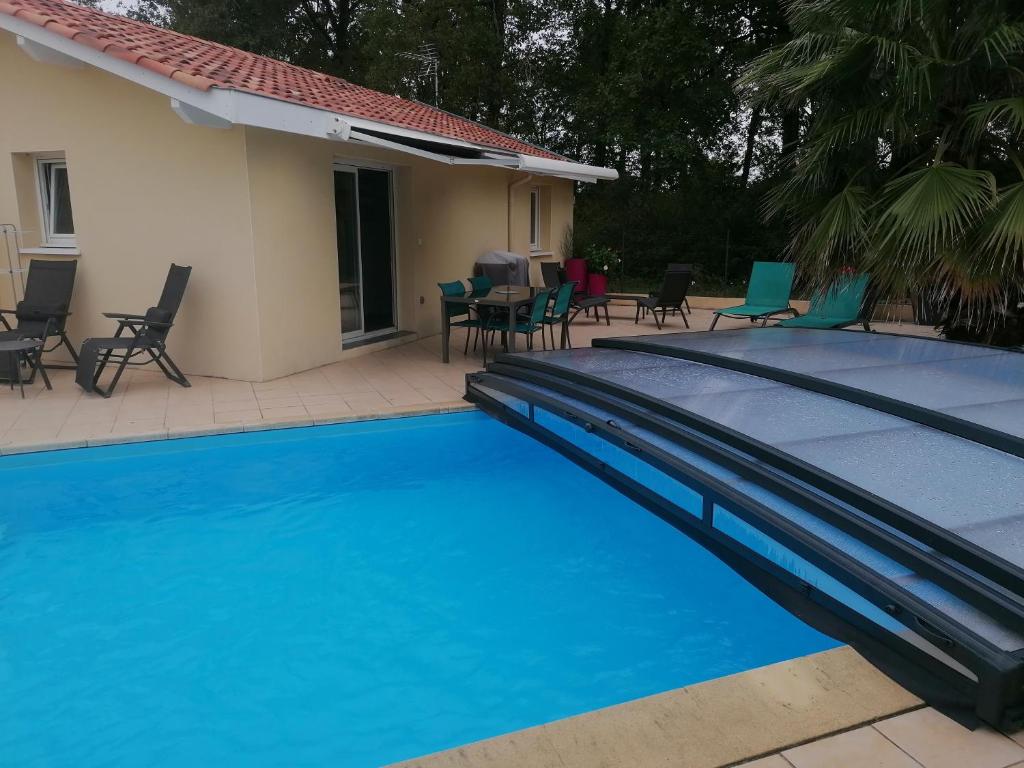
pixel 910 166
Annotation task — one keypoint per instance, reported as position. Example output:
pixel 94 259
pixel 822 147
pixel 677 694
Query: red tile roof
pixel 203 65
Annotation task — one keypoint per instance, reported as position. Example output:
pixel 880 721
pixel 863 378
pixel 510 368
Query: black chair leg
pixel 67 343
pixel 637 318
pixel 113 382
pixel 714 321
pixel 685 321
pixel 37 365
pixel 174 374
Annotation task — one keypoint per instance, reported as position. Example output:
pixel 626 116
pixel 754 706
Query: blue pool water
pixel 342 596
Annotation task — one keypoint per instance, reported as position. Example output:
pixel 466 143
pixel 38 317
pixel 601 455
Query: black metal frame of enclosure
pixel 996 696
pixel 929 418
pixel 1007 575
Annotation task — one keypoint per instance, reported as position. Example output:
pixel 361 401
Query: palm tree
pixel 910 164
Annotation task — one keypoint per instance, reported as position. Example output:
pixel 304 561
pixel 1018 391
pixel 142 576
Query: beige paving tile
pixel 366 403
pixel 137 426
pixel 773 761
pixel 85 431
pixel 226 406
pixel 236 417
pixel 935 741
pixel 36 435
pixel 860 748
pixel 189 417
pixel 329 409
pixel 284 412
pixel 278 401
pixel 411 398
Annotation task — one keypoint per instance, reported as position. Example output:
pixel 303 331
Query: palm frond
pixel 931 210
pixel 999 246
pixel 1001 113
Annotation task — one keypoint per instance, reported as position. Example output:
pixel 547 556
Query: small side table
pixel 31 351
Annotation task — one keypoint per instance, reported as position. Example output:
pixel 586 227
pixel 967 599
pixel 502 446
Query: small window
pixel 535 219
pixel 55 197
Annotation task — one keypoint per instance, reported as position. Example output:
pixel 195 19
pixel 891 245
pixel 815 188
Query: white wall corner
pixel 195 116
pixel 47 55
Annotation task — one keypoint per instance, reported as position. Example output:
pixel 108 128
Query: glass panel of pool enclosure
pixel 870 483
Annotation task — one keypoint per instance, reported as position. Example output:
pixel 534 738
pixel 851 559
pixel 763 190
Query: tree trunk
pixel 790 131
pixel 753 128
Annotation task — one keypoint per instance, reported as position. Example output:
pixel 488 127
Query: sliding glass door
pixel 366 257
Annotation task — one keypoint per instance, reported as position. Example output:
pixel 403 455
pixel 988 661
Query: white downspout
pixel 512 187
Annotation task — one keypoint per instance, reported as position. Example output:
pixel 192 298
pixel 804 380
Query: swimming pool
pixel 346 596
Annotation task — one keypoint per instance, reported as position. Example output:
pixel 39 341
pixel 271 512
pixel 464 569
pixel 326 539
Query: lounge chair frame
pixel 55 324
pixel 142 345
pixel 148 337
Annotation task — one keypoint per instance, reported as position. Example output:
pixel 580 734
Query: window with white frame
pixel 535 219
pixel 55 201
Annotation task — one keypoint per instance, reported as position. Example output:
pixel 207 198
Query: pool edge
pixel 263 425
pixel 712 724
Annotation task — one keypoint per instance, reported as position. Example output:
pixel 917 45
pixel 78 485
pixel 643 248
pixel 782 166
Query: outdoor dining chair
pixel 145 344
pixel 459 315
pixel 768 294
pixel 672 295
pixel 841 305
pixel 44 311
pixel 528 325
pixel 558 313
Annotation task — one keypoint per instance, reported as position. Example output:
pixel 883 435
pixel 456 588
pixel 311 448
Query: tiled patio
pixel 395 381
pixel 923 738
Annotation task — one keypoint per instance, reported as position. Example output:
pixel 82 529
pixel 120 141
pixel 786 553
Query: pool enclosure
pixel 872 484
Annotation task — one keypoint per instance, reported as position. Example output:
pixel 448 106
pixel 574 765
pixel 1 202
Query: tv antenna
pixel 426 57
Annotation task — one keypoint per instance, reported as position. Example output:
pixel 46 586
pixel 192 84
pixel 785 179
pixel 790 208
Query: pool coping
pixel 262 425
pixel 714 724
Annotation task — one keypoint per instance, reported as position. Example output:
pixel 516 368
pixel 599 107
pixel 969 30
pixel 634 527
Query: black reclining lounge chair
pixel 44 311
pixel 671 297
pixel 147 339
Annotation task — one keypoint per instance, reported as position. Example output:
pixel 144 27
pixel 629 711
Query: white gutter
pixel 225 107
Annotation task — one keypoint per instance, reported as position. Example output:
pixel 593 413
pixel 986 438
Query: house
pixel 317 215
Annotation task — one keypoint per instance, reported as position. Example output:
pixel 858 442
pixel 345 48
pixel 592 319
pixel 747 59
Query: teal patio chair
pixel 527 325
pixel 558 314
pixel 767 294
pixel 458 314
pixel 840 306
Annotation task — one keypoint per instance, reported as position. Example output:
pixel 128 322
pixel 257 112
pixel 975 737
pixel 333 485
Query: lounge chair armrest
pixel 123 316
pixel 7 311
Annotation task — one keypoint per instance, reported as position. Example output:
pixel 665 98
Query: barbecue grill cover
pixel 504 268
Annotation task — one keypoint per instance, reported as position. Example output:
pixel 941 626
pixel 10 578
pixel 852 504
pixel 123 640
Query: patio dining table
pixel 507 297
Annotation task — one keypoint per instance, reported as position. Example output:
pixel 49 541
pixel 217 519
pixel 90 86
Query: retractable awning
pixel 873 484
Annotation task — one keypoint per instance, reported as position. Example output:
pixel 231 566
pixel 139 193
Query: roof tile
pixel 202 64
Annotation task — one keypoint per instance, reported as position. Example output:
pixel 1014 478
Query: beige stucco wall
pixel 147 190
pixel 445 217
pixel 251 210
